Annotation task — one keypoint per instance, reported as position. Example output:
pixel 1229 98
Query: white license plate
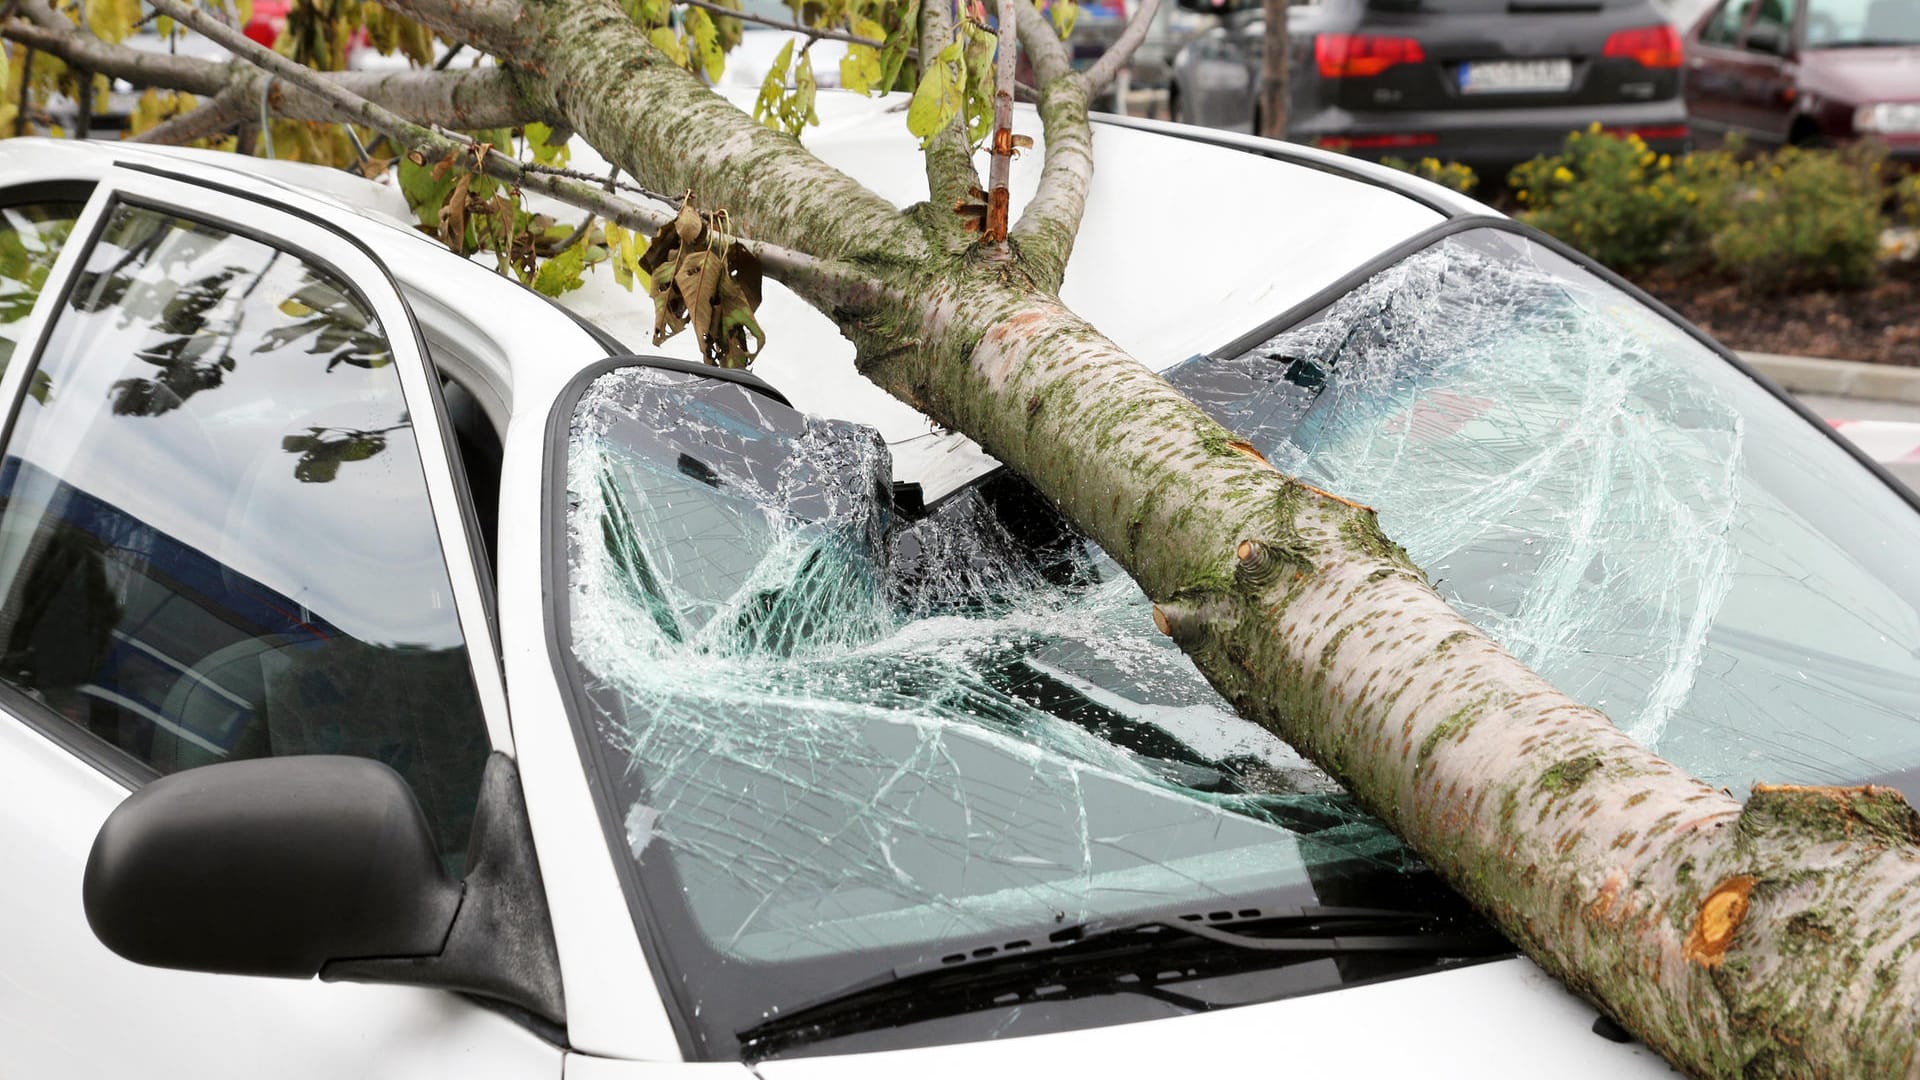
pixel 1515 76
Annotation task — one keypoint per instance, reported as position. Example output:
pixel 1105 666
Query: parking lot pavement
pixel 1877 406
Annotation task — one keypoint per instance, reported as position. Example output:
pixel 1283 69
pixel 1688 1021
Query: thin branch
pixel 51 32
pixel 1045 233
pixel 1107 68
pixel 1006 55
pixel 1045 52
pixel 472 98
pixel 812 32
pixel 611 182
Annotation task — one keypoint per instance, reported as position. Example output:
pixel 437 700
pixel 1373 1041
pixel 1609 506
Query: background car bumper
pixel 1489 140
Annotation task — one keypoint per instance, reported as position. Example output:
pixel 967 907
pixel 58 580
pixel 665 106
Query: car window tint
pixel 31 236
pixel 214 534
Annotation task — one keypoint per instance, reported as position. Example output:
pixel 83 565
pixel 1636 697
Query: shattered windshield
pixel 842 735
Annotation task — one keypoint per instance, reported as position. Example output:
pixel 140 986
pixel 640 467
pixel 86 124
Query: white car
pixel 574 713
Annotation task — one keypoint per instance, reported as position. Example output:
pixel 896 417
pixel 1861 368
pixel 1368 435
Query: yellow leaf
pixel 668 42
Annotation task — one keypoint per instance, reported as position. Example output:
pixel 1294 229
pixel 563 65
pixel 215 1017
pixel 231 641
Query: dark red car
pixel 1808 72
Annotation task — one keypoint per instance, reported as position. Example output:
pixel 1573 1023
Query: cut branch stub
pixel 1260 563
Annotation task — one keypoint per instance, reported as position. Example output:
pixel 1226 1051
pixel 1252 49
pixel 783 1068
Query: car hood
pixel 1860 76
pixel 1503 1018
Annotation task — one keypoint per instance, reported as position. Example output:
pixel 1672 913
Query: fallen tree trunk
pixel 1774 937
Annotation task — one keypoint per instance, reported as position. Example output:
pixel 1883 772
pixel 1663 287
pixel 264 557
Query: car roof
pixel 1189 241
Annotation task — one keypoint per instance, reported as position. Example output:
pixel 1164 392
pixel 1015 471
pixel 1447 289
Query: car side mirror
pixel 323 865
pixel 1767 38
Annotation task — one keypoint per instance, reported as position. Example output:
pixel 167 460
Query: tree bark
pixel 1274 87
pixel 1781 936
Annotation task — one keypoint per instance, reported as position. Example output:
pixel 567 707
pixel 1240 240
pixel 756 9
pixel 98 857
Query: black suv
pixel 1486 82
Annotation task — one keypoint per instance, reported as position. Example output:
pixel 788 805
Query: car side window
pixel 215 541
pixel 31 236
pixel 1772 26
pixel 1724 28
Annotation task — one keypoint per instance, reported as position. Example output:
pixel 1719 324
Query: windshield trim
pixel 1325 298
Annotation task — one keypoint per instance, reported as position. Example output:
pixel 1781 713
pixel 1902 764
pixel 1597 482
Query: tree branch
pixel 951 178
pixel 1045 52
pixel 499 27
pixel 1107 68
pixel 669 130
pixel 1006 55
pixel 1047 227
pixel 812 32
pixel 472 98
pixel 817 279
pixel 51 32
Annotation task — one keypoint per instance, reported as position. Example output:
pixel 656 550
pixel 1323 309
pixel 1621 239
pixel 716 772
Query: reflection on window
pixel 31 236
pixel 214 534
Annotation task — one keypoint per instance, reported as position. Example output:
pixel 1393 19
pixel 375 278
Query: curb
pixel 1838 378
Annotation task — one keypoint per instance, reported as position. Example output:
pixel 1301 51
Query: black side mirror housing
pixel 274 866
pixel 323 865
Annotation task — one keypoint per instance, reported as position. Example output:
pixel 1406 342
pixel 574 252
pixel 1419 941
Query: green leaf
pixel 561 273
pixel 860 69
pixel 706 44
pixel 940 95
pixel 1064 14
pixel 980 45
pixel 773 89
pixel 540 144
pixel 425 193
pixel 669 42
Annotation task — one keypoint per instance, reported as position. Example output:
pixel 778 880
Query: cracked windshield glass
pixel 849 739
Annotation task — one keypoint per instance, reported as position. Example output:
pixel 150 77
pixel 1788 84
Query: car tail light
pixel 1401 141
pixel 1359 56
pixel 263 31
pixel 1652 133
pixel 1648 46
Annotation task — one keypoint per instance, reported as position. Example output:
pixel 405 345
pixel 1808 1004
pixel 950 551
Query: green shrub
pixel 1796 219
pixel 1450 175
pixel 1805 219
pixel 1599 194
pixel 1906 197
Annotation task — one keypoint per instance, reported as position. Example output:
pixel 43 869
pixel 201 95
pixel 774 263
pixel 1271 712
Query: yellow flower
pixel 1666 161
pixel 1594 127
pixel 1521 194
pixel 1563 174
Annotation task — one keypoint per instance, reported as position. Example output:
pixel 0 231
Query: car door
pixel 1714 65
pixel 229 528
pixel 1746 83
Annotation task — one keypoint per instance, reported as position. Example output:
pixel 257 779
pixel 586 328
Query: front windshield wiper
pixel 1138 958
